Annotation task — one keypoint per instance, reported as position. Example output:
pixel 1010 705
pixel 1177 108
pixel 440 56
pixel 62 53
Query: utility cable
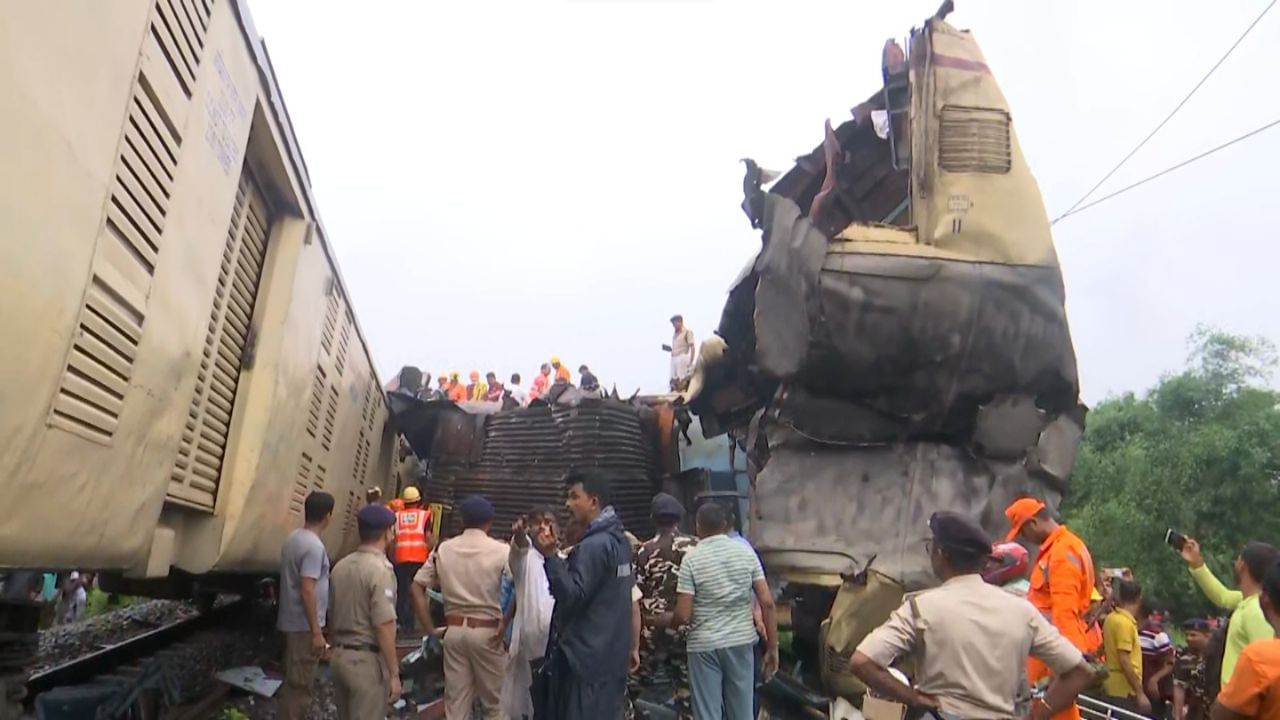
pixel 1168 170
pixel 1169 117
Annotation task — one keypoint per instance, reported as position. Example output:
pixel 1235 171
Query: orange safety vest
pixel 411 535
pixel 1061 589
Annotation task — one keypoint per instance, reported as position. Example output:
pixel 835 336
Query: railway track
pixel 151 674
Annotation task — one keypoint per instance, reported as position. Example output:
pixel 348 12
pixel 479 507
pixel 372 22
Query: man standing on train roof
pixel 362 620
pixel 1062 581
pixel 468 570
pixel 410 550
pixel 682 351
pixel 968 638
pixel 304 603
pixel 590 648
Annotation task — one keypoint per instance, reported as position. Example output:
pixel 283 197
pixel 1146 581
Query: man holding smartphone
pixel 1248 623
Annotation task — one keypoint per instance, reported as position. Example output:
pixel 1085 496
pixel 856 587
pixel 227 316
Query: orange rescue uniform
pixel 1061 589
pixel 411 534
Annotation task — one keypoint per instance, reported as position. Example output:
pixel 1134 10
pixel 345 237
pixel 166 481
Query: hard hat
pixel 411 494
pixel 454 374
pixel 555 359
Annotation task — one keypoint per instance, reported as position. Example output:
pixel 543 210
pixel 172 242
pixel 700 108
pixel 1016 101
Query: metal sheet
pixel 830 510
pixel 518 459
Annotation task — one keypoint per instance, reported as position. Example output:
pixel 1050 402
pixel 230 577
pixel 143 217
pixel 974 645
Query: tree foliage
pixel 1199 452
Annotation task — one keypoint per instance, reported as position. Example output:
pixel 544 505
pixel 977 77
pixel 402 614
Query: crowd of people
pixel 1082 631
pixel 552 379
pixel 573 622
pixel 581 621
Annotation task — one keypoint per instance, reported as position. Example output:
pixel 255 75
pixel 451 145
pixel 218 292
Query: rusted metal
pixel 519 458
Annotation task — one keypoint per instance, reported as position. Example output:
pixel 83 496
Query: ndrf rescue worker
pixel 362 619
pixel 1061 582
pixel 968 638
pixel 468 570
pixel 410 550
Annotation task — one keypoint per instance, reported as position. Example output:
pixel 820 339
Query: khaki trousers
pixel 299 673
pixel 472 671
pixel 361 685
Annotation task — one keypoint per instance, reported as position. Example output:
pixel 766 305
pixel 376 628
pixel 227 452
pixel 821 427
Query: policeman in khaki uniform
pixel 468 570
pixel 969 639
pixel 362 620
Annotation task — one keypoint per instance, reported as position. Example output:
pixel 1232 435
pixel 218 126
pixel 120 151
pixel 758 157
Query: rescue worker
pixel 587 658
pixel 457 391
pixel 362 620
pixel 410 550
pixel 468 571
pixel 976 636
pixel 1062 581
pixel 541 383
pixel 562 372
pixel 663 659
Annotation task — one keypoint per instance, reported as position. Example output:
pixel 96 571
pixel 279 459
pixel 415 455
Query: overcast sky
pixel 505 181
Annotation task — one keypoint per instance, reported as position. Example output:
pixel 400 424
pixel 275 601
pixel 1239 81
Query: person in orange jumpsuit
pixel 457 391
pixel 1062 581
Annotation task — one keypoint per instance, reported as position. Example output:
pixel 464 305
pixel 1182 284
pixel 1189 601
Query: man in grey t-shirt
pixel 304 600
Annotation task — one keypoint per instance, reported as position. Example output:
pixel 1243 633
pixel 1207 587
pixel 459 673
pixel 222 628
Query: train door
pixel 229 339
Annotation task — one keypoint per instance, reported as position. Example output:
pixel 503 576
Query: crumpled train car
pixel 518 458
pixel 182 364
pixel 899 345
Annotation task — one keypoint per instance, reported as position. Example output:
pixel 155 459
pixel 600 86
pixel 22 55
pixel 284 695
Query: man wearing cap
pixel 662 649
pixel 1191 699
pixel 362 620
pixel 410 551
pixel 1062 580
pixel 967 637
pixel 468 570
pixel 561 372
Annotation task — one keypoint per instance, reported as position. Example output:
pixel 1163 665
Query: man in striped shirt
pixel 713 594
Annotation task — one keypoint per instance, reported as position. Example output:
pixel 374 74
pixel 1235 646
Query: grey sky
pixel 504 181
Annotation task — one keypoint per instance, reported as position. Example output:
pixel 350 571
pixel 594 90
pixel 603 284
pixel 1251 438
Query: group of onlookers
pixel 1083 633
pixel 579 622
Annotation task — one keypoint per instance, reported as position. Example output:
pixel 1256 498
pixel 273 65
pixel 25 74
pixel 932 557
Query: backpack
pixel 1213 657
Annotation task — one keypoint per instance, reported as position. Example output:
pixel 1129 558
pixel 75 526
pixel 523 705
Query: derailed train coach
pixel 519 457
pixel 182 364
pixel 898 346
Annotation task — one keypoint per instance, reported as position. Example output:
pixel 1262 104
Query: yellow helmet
pixel 411 494
pixel 555 359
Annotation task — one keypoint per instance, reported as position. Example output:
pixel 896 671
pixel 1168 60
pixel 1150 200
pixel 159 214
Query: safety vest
pixel 411 534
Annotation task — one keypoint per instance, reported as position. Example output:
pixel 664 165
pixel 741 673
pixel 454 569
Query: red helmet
pixel 1008 563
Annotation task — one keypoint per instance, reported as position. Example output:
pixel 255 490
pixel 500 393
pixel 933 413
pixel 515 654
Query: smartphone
pixel 1175 539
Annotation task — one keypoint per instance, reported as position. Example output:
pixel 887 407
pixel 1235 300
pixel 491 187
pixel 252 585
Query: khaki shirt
pixel 362 589
pixel 970 641
pixel 468 571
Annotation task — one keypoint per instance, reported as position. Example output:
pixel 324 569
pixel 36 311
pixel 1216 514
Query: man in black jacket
pixel 588 653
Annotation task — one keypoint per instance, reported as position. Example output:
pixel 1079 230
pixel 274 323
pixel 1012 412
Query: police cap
pixel 958 533
pixel 375 517
pixel 665 505
pixel 476 510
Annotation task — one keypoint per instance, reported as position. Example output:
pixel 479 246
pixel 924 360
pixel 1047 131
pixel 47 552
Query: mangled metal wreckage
pixel 898 346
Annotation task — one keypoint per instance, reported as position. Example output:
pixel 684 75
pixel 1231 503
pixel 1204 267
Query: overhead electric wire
pixel 1168 170
pixel 1169 117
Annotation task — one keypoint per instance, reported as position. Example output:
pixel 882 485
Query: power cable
pixel 1168 170
pixel 1169 117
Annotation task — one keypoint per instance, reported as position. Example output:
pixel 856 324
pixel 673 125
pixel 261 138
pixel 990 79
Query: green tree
pixel 1199 452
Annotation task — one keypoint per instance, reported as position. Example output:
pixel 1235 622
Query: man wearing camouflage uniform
pixel 663 659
